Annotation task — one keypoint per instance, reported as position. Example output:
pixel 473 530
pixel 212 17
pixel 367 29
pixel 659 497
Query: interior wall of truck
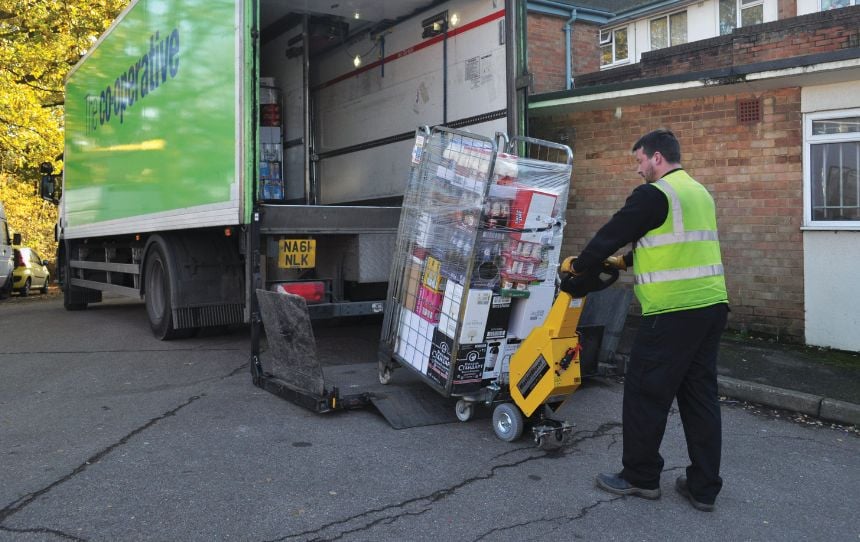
pixel 343 88
pixel 376 70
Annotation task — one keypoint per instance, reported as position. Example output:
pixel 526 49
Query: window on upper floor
pixel 831 166
pixel 833 4
pixel 669 30
pixel 613 47
pixel 738 13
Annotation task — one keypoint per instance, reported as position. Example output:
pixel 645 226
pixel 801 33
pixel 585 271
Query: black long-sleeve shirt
pixel 645 209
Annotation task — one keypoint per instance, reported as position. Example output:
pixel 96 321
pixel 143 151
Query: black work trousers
pixel 675 355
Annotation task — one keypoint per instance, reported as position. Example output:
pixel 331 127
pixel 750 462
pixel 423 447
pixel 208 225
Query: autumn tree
pixel 40 41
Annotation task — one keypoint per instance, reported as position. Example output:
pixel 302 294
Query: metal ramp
pixel 291 369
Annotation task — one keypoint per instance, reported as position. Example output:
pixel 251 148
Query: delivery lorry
pixel 216 147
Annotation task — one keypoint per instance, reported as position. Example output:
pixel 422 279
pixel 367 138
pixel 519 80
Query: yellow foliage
pixel 40 41
pixel 29 215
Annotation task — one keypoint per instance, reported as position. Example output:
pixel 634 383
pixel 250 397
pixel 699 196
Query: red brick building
pixel 768 115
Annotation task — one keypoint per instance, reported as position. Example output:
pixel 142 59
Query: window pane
pixel 834 181
pixel 605 54
pixel 753 15
pixel 621 44
pixel 728 16
pixel 848 125
pixel 833 4
pixel 659 34
pixel 678 28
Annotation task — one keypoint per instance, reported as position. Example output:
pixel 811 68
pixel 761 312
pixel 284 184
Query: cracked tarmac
pixel 120 437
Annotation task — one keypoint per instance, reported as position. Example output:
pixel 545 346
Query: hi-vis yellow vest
pixel 678 266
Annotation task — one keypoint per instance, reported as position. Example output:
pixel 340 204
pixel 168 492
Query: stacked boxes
pixel 271 142
pixel 478 239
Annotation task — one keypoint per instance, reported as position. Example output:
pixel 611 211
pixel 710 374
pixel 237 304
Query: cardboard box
pixel 450 308
pixel 474 323
pixel 432 277
pixel 532 210
pixel 493 360
pixel 469 367
pixel 270 134
pixel 429 305
pixel 498 318
pixel 439 364
pixel 528 313
pixel 410 283
pixel 464 367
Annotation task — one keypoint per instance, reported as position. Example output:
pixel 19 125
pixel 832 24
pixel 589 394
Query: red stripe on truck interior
pixel 409 50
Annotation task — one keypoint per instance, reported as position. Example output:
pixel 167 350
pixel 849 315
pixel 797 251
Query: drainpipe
pixel 568 27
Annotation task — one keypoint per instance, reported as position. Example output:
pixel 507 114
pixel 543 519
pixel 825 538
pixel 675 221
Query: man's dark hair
pixel 660 140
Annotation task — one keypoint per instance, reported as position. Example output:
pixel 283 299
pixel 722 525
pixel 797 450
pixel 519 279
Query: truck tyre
pixel 158 305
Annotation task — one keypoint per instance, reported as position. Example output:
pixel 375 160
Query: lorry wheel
pixel 158 306
pixel 508 422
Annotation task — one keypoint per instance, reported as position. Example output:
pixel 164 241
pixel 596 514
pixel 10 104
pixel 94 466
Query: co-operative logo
pixel 143 77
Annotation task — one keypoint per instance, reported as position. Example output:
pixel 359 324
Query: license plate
pixel 297 253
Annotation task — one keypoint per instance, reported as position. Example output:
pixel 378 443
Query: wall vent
pixel 749 111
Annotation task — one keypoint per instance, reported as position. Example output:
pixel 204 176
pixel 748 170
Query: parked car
pixel 6 260
pixel 30 271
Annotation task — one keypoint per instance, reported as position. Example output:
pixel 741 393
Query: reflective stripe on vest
pixel 680 274
pixel 676 268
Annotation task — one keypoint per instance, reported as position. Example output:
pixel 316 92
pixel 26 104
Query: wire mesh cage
pixel 480 233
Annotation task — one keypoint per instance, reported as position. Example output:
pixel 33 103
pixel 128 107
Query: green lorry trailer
pixel 216 147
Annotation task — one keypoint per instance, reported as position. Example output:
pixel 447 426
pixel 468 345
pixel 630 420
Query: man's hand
pixel 616 262
pixel 566 266
pixel 580 285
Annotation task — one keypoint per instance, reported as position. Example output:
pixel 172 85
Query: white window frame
pixel 739 4
pixel 615 62
pixel 821 8
pixel 668 18
pixel 808 141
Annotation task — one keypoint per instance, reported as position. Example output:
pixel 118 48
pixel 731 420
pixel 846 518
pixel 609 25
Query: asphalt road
pixel 108 434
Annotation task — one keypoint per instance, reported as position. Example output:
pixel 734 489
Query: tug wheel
pixel 551 441
pixel 464 410
pixel 508 422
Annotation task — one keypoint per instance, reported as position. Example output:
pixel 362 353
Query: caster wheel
pixel 384 373
pixel 464 410
pixel 508 422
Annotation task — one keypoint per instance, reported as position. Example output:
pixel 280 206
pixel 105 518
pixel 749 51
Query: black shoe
pixel 614 483
pixel 681 487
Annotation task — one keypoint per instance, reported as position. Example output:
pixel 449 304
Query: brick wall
pixel 753 171
pixel 798 36
pixel 546 51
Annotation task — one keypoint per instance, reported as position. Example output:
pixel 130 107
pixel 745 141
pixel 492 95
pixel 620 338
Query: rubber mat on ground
pixel 411 406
